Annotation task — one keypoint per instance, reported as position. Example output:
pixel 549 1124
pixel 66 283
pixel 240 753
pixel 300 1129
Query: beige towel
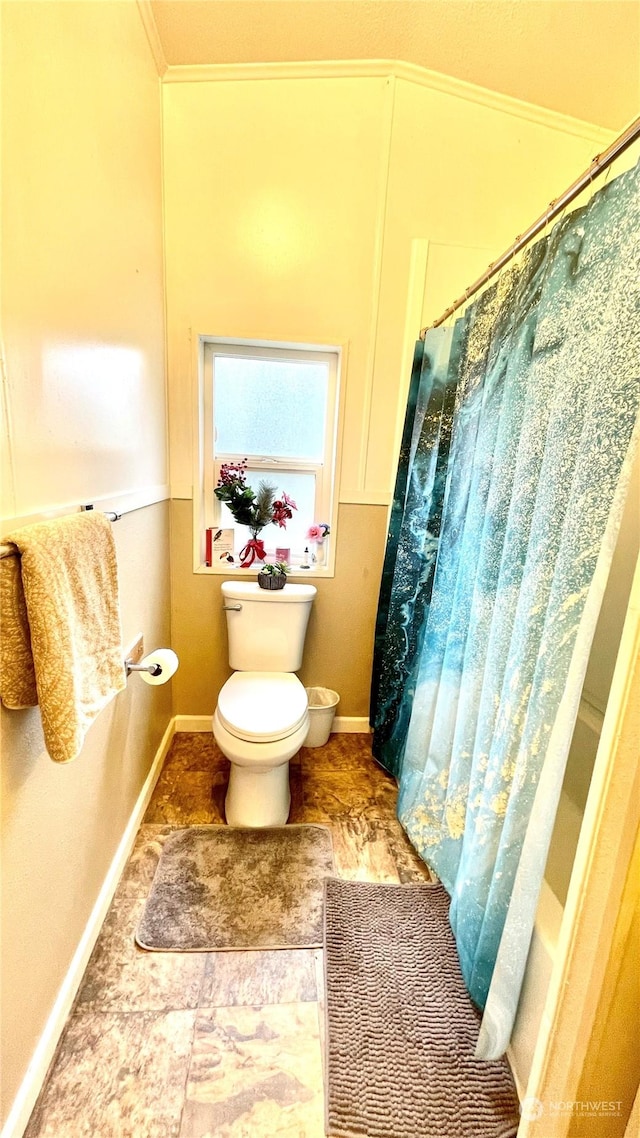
pixel 60 643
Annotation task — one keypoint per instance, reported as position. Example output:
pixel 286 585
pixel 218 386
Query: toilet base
pixel 258 793
pixel 258 797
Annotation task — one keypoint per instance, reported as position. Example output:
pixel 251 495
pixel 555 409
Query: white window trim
pixel 205 504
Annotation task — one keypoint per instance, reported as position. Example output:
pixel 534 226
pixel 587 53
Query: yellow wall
pixel 272 193
pixel 84 405
pixel 292 208
pixel 82 280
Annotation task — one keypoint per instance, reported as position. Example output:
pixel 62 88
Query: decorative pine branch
pixel 263 508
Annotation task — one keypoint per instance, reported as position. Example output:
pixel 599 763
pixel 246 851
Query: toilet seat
pixel 262 707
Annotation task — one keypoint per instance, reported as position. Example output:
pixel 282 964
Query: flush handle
pixel 231 608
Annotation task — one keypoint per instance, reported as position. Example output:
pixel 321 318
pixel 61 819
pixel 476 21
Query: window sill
pixel 296 574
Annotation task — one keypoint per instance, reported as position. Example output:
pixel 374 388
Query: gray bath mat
pixel 401 1028
pixel 217 887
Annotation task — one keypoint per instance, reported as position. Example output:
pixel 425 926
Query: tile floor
pixel 229 1044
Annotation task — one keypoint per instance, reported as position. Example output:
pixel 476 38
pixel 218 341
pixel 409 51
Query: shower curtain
pixel 515 460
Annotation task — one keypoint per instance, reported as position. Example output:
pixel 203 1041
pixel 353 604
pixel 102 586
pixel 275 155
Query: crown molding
pixel 312 69
pixel 387 69
pixel 155 43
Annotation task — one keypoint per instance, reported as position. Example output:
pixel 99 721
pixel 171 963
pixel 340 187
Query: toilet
pixel 262 716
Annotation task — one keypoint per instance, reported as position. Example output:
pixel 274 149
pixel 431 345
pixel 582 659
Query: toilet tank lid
pixel 251 591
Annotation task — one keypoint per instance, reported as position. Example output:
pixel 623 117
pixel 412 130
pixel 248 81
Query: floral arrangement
pixel 318 531
pixel 255 510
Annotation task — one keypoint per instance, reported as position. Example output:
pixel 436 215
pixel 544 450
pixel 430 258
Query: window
pixel 275 407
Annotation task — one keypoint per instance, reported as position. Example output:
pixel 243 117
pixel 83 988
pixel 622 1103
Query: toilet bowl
pixel 262 719
pixel 260 722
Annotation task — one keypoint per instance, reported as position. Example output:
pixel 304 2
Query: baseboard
pixel 342 724
pixel 31 1085
pixel 193 722
pixel 350 725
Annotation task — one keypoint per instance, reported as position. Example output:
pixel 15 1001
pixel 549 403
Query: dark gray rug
pixel 401 1028
pixel 217 887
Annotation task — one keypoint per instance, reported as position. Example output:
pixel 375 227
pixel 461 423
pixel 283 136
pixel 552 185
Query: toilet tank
pixel 266 629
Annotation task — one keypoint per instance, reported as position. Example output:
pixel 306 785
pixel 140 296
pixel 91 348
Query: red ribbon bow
pixel 253 551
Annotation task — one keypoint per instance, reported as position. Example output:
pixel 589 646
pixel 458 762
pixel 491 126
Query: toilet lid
pixel 262 706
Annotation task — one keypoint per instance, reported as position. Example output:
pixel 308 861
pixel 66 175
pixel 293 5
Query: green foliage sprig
pixel 275 569
pixel 246 508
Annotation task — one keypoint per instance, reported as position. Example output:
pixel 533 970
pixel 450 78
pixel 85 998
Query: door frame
pixel 605 847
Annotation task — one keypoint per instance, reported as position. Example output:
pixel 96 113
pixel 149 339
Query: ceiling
pixel 581 57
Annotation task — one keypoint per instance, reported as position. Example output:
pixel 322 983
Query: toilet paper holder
pixel 156 668
pixel 152 669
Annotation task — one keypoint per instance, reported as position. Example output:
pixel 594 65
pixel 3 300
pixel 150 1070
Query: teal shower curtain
pixel 516 455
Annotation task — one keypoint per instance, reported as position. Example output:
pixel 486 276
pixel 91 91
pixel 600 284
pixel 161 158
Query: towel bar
pixel 110 514
pixel 11 551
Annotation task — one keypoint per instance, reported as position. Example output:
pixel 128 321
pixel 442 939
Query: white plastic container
pixel 322 709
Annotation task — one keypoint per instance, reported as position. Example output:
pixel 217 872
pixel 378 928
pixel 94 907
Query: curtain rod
pixel 599 163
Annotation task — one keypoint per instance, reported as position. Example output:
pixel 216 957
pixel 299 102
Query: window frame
pixel 207 462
